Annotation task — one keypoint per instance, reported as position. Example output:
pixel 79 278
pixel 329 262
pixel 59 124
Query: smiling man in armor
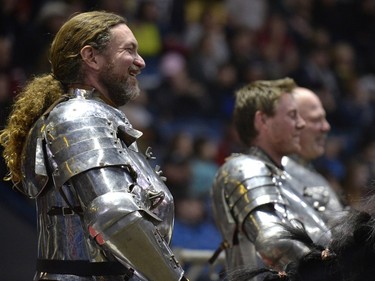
pixel 312 140
pixel 103 212
pixel 252 194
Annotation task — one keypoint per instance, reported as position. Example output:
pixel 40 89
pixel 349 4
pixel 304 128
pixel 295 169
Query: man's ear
pixel 89 56
pixel 259 120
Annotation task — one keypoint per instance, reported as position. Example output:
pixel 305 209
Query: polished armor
pixel 316 188
pixel 251 197
pixel 103 212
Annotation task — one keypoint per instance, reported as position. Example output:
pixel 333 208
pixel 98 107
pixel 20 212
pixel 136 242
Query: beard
pixel 120 89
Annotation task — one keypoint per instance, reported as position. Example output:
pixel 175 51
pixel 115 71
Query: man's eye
pixel 130 50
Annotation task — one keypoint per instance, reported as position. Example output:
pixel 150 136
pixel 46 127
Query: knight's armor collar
pixel 259 153
pixel 81 93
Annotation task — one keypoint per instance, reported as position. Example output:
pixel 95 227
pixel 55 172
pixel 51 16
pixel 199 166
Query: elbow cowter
pixel 117 222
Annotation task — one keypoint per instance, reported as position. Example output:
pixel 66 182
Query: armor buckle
pixel 67 211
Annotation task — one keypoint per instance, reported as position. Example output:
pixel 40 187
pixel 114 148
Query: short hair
pixel 259 95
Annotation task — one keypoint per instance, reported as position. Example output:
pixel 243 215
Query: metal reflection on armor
pixel 251 197
pixel 315 187
pixel 96 193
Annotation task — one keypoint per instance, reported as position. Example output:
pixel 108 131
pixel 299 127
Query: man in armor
pixel 103 212
pixel 253 197
pixel 312 141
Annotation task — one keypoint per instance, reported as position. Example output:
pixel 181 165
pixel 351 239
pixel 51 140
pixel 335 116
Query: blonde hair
pixel 90 28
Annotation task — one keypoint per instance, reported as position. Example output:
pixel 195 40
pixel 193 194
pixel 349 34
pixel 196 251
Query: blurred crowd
pixel 197 54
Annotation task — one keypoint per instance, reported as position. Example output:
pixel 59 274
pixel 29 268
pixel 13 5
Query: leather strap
pixel 64 211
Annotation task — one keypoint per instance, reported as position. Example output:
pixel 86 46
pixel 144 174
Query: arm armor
pixel 80 144
pixel 118 223
pixel 76 136
pixel 256 199
pixel 241 185
pixel 264 225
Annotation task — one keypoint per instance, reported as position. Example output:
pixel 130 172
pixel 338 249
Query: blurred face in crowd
pixel 314 135
pixel 121 63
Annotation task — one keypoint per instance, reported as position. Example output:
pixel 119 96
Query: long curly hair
pixel 28 107
pixel 90 28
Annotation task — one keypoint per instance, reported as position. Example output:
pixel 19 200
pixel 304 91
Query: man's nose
pixel 326 127
pixel 139 61
pixel 300 122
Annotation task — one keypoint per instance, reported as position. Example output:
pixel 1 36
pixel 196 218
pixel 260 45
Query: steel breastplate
pixel 315 188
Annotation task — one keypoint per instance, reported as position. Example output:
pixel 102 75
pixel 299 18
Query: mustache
pixel 134 70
